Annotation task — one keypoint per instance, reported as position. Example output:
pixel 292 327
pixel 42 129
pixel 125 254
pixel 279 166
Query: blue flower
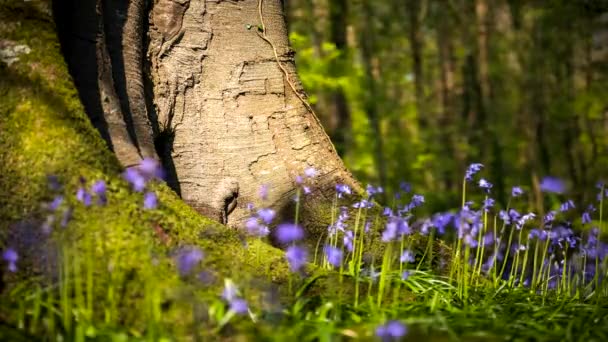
pixel 484 184
pixel 552 185
pixel 586 217
pixel 11 257
pixel 310 172
pixel 151 168
pixel 488 203
pixel 187 258
pixel 348 240
pixel 83 196
pixel 407 257
pixel 266 215
pixel 297 257
pixel 516 191
pixel 99 189
pixel 405 275
pixel 405 187
pixel 53 183
pixel 239 306
pixel 343 189
pixel 334 255
pixel 230 291
pixel 472 170
pixel 569 204
pixel 391 331
pixel 56 203
pixel 289 232
pixel 371 190
pixel 150 200
pixel 135 178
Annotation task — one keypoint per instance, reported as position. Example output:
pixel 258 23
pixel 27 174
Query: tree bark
pixel 225 87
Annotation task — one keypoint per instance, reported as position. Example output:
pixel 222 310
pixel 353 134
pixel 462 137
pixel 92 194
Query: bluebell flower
pixel 83 196
pixel 135 178
pixel 426 226
pixel 472 170
pixel 516 191
pixel 266 215
pixel 289 232
pixel 586 218
pixel 99 189
pixel 405 275
pixel 364 204
pixel 525 218
pixel 371 190
pixel 552 185
pixel 343 189
pixel 407 257
pixel 10 256
pixel 348 240
pixel 150 169
pixel 296 257
pixel 391 331
pixel 54 205
pixel 299 180
pixel 417 200
pixel 187 258
pixel 484 184
pixel 441 221
pixel 387 212
pixel 488 203
pixel 549 217
pixel 405 187
pixel 334 255
pixel 150 200
pixel 239 306
pixel 569 204
pixel 306 190
pixel 310 172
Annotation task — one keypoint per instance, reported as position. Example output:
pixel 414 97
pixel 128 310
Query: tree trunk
pixel 225 88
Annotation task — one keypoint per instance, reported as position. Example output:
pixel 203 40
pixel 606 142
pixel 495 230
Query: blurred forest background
pixel 415 90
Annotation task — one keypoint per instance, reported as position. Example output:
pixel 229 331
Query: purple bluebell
pixel 266 215
pixel 364 203
pixel 296 257
pixel 524 219
pixel 391 331
pixel 407 257
pixel 426 226
pixel 488 203
pixel 150 169
pixel 387 212
pixel 289 232
pixel 586 218
pixel 10 256
pixel 187 258
pixel 441 221
pixel 348 240
pixel 306 190
pixel 472 170
pixel 135 178
pixel 549 217
pixel 334 255
pixel 405 187
pixel 516 191
pixel 54 205
pixel 99 189
pixel 150 200
pixel 417 200
pixel 405 275
pixel 343 189
pixel 569 204
pixel 83 196
pixel 299 180
pixel 484 184
pixel 239 306
pixel 552 185
pixel 371 190
pixel 310 172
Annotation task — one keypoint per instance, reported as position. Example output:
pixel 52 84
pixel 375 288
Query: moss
pixel 46 131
